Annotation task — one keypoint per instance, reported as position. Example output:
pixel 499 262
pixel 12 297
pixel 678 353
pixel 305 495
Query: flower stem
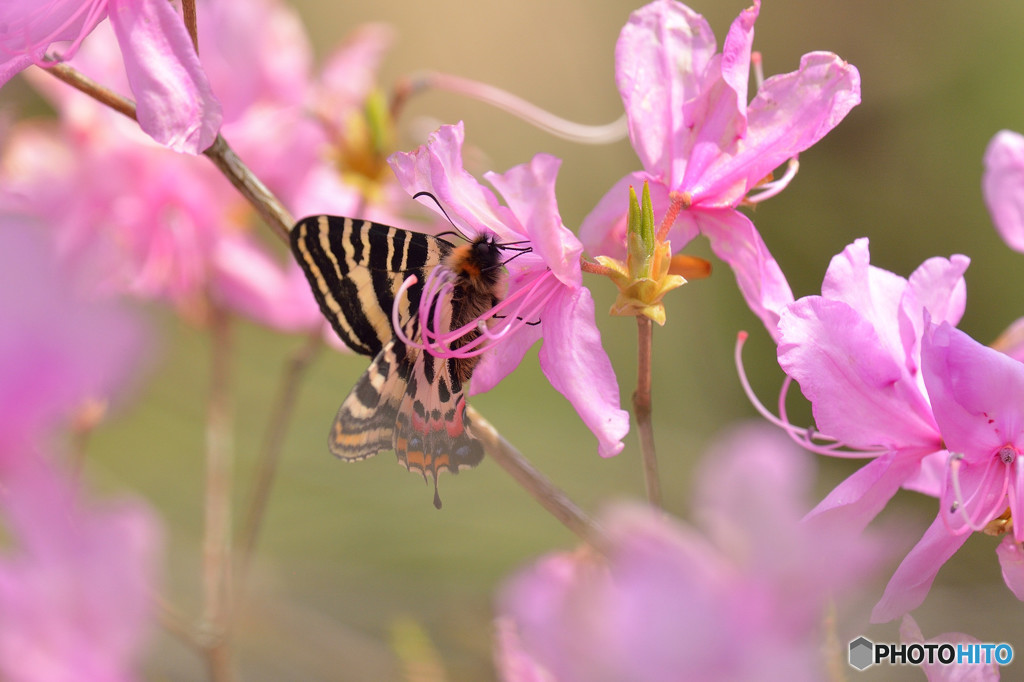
pixel 506 101
pixel 255 192
pixel 188 11
pixel 266 469
pixel 104 95
pixel 642 409
pixel 214 622
pixel 529 477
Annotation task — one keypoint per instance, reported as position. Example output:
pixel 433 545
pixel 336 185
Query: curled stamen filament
pixel 803 437
pixel 516 310
pixel 960 504
pixel 770 189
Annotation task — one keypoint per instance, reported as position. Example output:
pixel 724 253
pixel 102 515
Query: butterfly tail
pixel 430 427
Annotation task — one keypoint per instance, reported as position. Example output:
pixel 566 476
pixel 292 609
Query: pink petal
pixel 1011 560
pixel 977 393
pixel 503 358
pixel 12 65
pixel 529 192
pixel 938 287
pixel 910 584
pixel 718 117
pixel 575 363
pixel 789 114
pixel 660 59
pixel 1011 341
pixel 436 167
pixel 513 662
pixel 603 230
pixel 858 500
pixel 176 106
pixel 1003 186
pixel 859 392
pixel 735 240
pixel 910 633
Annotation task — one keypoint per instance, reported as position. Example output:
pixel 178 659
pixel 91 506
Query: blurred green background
pixel 352 554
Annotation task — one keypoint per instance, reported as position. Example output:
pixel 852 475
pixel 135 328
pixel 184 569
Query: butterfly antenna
pixel 425 193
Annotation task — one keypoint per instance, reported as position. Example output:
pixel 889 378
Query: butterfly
pixel 408 400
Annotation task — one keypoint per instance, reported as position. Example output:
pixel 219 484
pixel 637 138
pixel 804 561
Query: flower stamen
pixel 522 307
pixel 960 503
pixel 804 437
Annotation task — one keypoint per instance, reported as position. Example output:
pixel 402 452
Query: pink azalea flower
pixel 910 633
pixel 75 579
pixel 977 395
pixel 665 602
pixel 545 284
pixel 176 106
pixel 702 145
pixel 856 353
pixel 1003 186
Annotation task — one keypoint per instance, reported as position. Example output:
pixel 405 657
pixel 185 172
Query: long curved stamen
pixel 524 304
pixel 770 189
pixel 960 504
pixel 801 436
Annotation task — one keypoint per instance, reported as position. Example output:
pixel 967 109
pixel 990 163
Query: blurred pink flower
pixel 910 633
pixel 545 283
pixel 176 105
pixel 702 146
pixel 856 353
pixel 75 581
pixel 161 226
pixel 1003 186
pixel 57 350
pixel 977 396
pixel 665 602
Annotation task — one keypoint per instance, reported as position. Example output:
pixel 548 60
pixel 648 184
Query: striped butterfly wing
pixel 407 400
pixel 430 430
pixel 355 268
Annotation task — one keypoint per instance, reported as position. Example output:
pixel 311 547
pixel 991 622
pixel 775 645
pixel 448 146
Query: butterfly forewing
pixel 355 268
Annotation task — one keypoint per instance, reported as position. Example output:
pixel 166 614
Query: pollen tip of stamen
pixel 954 507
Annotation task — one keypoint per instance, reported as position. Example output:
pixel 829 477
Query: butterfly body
pixel 408 400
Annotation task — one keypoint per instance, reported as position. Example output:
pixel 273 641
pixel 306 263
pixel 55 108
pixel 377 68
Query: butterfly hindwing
pixel 355 268
pixel 430 431
pixel 365 423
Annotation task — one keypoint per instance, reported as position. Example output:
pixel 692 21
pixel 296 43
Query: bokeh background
pixel 357 574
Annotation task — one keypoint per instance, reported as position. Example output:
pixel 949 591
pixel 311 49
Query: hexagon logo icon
pixel 861 653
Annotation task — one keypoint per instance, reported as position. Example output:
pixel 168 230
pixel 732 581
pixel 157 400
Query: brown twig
pixel 101 94
pixel 294 372
pixel 188 11
pixel 540 488
pixel 256 193
pixel 214 623
pixel 250 187
pixel 642 409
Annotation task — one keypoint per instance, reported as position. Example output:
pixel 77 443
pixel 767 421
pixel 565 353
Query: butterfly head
pixel 477 264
